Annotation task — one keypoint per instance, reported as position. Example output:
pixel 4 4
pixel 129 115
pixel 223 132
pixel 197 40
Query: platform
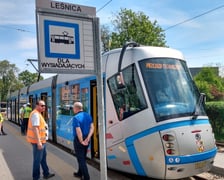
pixel 16 159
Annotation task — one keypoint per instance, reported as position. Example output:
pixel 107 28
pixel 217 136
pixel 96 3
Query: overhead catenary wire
pixel 170 27
pixel 14 28
pixel 104 6
pixel 187 20
pixel 23 30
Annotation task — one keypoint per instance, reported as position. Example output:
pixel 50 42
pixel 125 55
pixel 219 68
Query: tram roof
pixel 150 51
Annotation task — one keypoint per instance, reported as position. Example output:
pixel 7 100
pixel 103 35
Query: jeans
pixel 39 158
pixel 81 152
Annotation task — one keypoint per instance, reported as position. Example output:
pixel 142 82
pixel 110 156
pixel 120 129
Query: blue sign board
pixel 61 40
pixel 67 37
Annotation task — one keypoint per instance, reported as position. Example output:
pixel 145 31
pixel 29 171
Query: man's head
pixel 77 107
pixel 40 106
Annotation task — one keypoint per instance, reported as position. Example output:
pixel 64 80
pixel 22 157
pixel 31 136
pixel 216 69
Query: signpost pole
pixel 101 122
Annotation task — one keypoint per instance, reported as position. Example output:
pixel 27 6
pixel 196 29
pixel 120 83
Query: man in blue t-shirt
pixel 83 129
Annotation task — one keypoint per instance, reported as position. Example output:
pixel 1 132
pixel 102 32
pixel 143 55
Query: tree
pixel 209 82
pixel 131 26
pixel 28 78
pixel 8 80
pixel 105 38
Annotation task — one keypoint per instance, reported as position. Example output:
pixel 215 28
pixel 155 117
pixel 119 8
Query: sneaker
pixel 49 176
pixel 77 174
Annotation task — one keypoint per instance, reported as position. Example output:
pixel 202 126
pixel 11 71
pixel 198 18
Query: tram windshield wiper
pixel 197 110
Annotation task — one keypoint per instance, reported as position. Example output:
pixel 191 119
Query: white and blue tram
pixel 156 125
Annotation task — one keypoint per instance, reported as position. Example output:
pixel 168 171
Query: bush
pixel 215 112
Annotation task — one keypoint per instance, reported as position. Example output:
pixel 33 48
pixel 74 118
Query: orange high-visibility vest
pixel 30 131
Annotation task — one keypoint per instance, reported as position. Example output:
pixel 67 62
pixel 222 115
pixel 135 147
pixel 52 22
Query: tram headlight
pixel 177 160
pixel 169 145
pixel 170 151
pixel 168 137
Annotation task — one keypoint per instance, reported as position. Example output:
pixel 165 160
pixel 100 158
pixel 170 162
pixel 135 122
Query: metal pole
pixel 100 100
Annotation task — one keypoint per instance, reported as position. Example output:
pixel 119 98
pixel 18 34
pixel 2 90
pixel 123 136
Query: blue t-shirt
pixel 82 120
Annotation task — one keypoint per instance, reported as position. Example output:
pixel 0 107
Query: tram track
pixel 207 176
pixel 203 176
pixel 220 146
pixel 198 178
pixel 211 175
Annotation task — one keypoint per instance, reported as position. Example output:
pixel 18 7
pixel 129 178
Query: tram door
pixel 89 101
pixel 13 111
pixel 48 113
pixel 44 98
pixel 95 143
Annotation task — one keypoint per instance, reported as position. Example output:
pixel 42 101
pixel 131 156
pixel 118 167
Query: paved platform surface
pixel 16 159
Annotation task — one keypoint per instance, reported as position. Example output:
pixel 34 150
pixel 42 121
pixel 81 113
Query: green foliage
pixel 28 78
pixel 132 26
pixel 215 112
pixel 209 82
pixel 105 38
pixel 8 80
pixel 204 87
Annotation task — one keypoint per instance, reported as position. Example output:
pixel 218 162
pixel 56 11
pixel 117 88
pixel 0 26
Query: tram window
pixel 129 99
pixel 85 99
pixel 169 86
pixel 68 95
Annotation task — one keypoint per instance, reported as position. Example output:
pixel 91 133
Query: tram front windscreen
pixel 170 88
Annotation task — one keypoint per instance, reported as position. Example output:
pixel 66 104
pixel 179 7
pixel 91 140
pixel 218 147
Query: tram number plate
pixel 200 165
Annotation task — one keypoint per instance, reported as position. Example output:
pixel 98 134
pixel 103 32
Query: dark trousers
pixel 22 126
pixel 25 125
pixel 81 152
pixel 2 131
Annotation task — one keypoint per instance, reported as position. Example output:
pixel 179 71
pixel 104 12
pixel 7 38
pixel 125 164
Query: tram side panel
pixel 22 100
pixel 64 115
pixel 133 144
pixel 129 149
pixel 42 90
pixel 117 153
pixel 68 92
pixel 12 102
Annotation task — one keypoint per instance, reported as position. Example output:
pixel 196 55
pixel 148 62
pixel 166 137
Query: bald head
pixel 77 107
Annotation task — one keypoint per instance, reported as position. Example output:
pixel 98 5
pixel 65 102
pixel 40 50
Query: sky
pixel 195 27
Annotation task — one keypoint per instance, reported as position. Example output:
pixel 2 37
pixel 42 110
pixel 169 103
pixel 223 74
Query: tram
pixel 156 125
pixel 3 108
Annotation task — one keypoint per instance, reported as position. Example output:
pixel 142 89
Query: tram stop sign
pixel 67 37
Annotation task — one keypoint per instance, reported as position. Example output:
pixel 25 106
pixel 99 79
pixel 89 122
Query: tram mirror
pixel 120 80
pixel 203 96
